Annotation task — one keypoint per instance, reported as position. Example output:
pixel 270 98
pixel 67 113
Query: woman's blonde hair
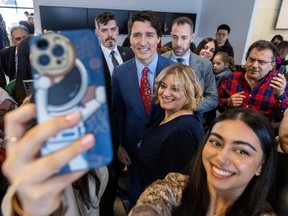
pixel 186 78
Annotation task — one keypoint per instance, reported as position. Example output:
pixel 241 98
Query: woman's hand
pixel 37 187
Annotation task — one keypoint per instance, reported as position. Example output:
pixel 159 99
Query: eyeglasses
pixel 19 38
pixel 251 60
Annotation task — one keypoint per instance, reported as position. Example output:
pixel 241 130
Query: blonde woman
pixel 170 144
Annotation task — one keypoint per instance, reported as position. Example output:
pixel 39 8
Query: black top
pixel 226 48
pixel 169 147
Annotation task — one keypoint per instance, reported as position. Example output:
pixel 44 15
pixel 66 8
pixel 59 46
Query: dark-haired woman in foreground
pixel 231 175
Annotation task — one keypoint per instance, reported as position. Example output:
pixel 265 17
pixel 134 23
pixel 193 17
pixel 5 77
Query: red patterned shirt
pixel 259 98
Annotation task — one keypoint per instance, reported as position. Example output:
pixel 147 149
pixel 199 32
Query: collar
pixel 152 66
pixel 186 57
pixel 107 51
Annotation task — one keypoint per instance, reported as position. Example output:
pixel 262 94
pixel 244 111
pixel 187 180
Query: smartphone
pixel 67 77
pixel 282 69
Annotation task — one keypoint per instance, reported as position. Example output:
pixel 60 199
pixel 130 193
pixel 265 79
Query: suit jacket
pixel 126 54
pixel 128 105
pixel 203 70
pixel 7 61
pixel 2 78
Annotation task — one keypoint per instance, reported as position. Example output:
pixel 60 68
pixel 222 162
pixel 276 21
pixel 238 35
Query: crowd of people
pixel 198 135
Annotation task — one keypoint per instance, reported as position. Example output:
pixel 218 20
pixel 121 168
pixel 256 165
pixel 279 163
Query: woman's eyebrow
pixel 240 142
pixel 237 142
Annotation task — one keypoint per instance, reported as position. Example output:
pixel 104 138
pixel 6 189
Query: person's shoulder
pixel 167 54
pixel 126 50
pixel 165 60
pixel 197 58
pixel 8 50
pixel 125 66
pixel 176 177
pixel 200 64
pixel 186 123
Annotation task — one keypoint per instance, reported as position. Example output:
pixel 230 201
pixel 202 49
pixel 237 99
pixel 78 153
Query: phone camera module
pixel 42 44
pixel 44 60
pixel 58 50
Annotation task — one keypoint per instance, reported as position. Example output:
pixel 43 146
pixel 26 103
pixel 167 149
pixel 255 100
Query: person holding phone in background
pixel 257 87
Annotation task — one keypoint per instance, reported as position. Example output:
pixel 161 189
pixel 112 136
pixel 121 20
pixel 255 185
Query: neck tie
pixel 145 91
pixel 114 60
pixel 180 60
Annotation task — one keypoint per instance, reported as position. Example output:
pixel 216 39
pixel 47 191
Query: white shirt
pixel 107 55
pixel 186 57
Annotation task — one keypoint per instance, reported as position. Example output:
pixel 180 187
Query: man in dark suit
pixel 145 33
pixel 107 32
pixel 8 56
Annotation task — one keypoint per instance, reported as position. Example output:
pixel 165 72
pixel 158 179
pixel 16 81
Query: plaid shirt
pixel 259 98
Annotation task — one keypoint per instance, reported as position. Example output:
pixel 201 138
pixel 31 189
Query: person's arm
pixel 283 132
pixel 280 87
pixel 161 197
pixel 118 107
pixel 35 189
pixel 210 93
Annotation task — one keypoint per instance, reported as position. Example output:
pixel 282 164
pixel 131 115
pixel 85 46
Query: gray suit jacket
pixel 203 70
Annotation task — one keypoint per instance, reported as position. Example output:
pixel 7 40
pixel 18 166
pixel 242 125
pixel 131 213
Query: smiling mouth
pixel 221 172
pixel 143 50
pixel 167 100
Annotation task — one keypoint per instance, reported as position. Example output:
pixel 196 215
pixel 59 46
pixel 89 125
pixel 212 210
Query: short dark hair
pixel 104 18
pixel 262 45
pixel 225 27
pixel 278 37
pixel 182 20
pixel 143 16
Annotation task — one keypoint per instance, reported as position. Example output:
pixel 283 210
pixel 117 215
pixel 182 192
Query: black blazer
pixel 7 61
pixel 126 54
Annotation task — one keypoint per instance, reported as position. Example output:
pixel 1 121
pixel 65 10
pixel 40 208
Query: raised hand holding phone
pixel 68 77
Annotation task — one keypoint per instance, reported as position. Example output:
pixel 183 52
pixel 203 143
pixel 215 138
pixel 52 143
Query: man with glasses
pixel 259 86
pixel 112 55
pixel 222 40
pixel 8 56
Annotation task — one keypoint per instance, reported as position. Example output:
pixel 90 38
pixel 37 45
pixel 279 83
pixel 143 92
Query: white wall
pixel 263 22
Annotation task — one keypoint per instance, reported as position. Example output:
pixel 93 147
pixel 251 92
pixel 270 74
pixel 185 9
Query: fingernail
pixel 73 117
pixel 87 140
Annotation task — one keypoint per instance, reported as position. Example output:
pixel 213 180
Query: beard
pixel 179 51
pixel 110 42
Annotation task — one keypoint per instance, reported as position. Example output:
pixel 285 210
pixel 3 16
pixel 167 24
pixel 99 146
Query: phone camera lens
pixel 58 50
pixel 42 44
pixel 44 60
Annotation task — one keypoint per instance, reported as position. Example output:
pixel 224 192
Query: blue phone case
pixel 68 76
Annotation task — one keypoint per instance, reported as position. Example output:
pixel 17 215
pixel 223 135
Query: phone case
pixel 68 76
